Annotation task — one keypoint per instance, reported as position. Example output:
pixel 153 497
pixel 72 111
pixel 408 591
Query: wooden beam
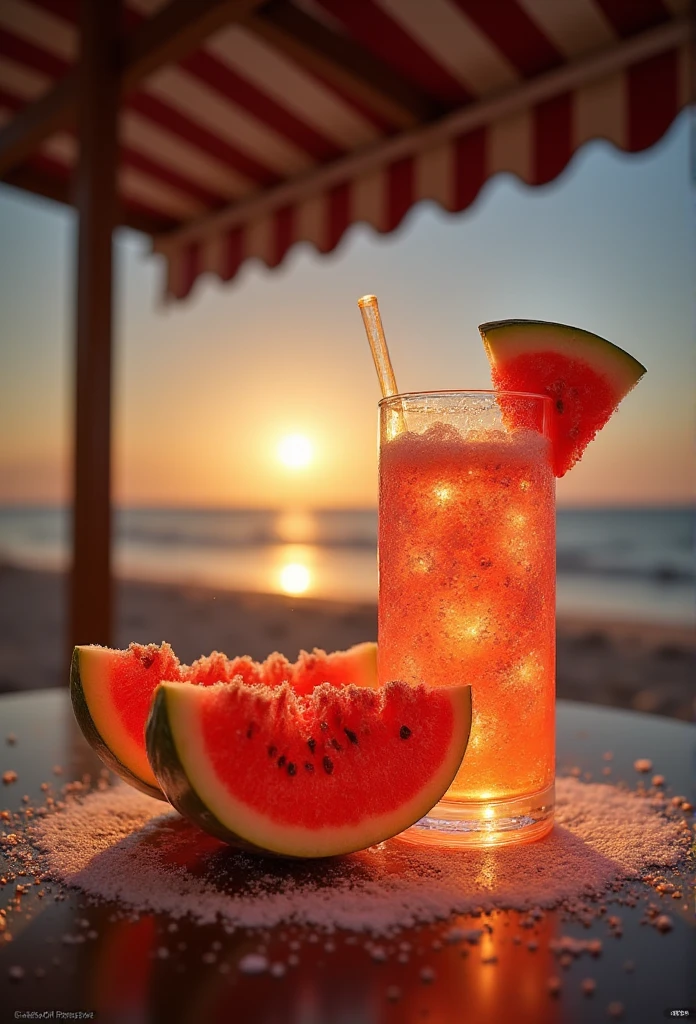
pixel 179 28
pixel 342 61
pixel 96 199
pixel 40 183
pixel 30 180
pixel 27 130
pixel 168 36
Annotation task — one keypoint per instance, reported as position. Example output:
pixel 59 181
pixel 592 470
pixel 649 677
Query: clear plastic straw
pixel 378 344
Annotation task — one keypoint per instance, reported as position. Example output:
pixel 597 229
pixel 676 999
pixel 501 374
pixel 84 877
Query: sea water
pixel 635 563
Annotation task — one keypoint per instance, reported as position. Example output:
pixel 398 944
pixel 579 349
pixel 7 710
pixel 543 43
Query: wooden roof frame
pixel 88 98
pixel 182 26
pixel 175 31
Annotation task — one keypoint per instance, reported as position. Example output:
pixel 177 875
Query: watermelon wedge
pixel 112 691
pixel 585 375
pixel 315 775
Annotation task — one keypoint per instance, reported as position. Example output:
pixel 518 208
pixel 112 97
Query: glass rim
pixel 455 391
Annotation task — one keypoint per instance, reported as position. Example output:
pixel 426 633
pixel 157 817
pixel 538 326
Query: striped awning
pixel 297 118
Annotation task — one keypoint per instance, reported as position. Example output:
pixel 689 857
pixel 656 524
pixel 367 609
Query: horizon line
pixel 677 504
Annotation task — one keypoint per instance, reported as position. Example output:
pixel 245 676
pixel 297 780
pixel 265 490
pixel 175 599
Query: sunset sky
pixel 206 390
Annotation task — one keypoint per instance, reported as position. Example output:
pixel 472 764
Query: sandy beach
pixel 622 664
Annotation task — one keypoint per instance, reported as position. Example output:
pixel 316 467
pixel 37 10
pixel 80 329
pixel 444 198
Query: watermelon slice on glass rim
pixel 585 376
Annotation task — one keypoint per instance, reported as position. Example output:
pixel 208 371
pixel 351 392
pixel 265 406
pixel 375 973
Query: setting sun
pixel 295 578
pixel 295 451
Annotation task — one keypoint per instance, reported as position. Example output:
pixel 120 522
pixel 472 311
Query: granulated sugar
pixel 120 845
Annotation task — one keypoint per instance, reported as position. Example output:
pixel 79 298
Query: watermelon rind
pixel 165 759
pixel 182 766
pixel 101 729
pixel 505 339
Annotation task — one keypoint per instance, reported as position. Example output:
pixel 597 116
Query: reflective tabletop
pixel 72 955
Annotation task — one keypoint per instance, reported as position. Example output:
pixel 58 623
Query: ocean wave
pixel 574 562
pixel 570 560
pixel 250 539
pixel 655 546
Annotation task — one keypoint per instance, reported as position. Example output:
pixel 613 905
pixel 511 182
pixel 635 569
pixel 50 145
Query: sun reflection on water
pixel 294 569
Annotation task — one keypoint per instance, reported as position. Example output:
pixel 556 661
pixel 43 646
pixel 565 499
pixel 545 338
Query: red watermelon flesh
pixel 584 375
pixel 316 667
pixel 307 775
pixel 112 691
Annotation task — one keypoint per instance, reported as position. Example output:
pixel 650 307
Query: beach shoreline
pixel 619 663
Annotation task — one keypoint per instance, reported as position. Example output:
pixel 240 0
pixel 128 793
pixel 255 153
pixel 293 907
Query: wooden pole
pixel 96 201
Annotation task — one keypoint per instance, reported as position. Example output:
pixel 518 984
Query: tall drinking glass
pixel 467 594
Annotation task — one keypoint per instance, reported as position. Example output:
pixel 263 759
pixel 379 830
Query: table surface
pixel 117 975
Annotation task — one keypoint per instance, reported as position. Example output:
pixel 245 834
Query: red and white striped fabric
pixel 240 150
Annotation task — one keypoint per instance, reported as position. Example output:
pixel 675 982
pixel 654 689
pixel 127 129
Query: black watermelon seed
pixel 309 766
pixel 147 661
pixel 272 751
pixel 250 730
pixel 351 735
pixel 311 743
pixel 324 726
pixel 559 405
pixel 335 744
pixel 281 760
pixel 328 765
pixel 404 732
pixel 291 769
